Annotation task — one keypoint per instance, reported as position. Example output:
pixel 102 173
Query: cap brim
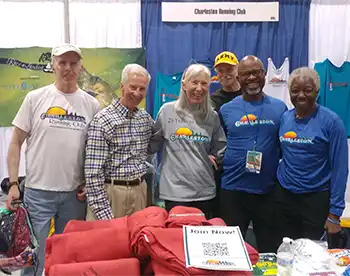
pixel 63 52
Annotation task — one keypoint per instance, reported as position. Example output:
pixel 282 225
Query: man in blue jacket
pixel 251 122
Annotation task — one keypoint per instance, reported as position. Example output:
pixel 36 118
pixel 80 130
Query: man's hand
pixel 331 227
pixel 13 195
pixel 81 194
pixel 213 161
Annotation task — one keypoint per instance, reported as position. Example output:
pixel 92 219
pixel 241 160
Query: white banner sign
pixel 216 248
pixel 220 12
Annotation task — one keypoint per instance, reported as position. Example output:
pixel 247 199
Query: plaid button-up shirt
pixel 116 150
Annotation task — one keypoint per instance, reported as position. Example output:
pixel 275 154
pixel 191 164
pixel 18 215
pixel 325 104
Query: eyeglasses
pixel 247 73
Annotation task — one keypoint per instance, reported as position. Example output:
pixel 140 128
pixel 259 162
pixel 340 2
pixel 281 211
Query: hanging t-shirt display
pixel 277 81
pixel 335 89
pixel 167 90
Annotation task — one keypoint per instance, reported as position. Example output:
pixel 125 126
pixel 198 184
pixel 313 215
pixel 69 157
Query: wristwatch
pixel 12 183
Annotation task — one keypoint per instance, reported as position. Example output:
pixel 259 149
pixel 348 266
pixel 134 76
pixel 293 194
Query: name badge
pixel 253 162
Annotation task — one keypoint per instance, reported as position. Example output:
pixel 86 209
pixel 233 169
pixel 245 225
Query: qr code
pixel 215 249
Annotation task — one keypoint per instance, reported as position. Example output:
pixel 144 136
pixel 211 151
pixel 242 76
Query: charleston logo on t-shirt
pixel 185 133
pixel 60 118
pixel 291 137
pixel 251 119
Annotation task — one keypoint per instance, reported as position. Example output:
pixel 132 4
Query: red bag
pixel 21 236
pixel 16 229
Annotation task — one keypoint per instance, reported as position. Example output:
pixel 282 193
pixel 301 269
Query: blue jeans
pixel 44 205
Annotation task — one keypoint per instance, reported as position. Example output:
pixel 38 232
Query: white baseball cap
pixel 62 49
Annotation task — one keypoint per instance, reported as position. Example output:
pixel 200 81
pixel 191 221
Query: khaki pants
pixel 124 200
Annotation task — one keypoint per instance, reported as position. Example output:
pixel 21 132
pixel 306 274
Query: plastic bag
pixel 312 259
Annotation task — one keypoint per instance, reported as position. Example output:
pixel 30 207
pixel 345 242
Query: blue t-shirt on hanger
pixel 167 90
pixel 335 89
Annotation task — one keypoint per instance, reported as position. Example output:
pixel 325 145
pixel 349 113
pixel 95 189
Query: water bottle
pixel 285 258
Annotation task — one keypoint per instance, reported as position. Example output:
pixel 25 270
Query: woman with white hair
pixel 314 168
pixel 190 133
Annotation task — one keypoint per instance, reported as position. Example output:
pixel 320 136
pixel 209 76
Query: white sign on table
pixel 220 11
pixel 216 248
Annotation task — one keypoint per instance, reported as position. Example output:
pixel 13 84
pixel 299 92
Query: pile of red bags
pixel 145 243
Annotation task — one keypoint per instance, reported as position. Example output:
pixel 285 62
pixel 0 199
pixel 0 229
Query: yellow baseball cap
pixel 226 57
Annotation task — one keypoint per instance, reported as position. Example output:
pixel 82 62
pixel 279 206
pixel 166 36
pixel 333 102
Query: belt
pixel 134 182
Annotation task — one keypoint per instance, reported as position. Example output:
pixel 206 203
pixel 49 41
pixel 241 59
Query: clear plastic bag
pixel 310 257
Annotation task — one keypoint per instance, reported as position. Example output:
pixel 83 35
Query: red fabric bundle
pixel 93 245
pixel 81 225
pixel 181 215
pixel 121 267
pixel 149 217
pixel 217 222
pixel 166 248
pixel 99 245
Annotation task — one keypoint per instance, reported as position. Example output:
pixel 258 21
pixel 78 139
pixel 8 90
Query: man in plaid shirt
pixel 116 151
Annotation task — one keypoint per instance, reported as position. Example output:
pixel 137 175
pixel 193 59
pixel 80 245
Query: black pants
pixel 301 215
pixel 240 208
pixel 217 177
pixel 206 206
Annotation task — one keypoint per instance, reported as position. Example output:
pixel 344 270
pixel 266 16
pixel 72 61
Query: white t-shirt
pixel 276 83
pixel 57 125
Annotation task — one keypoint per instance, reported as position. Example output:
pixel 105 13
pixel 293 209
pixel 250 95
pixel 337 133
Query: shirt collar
pixel 122 109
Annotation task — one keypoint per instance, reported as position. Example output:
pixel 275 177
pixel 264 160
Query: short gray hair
pixel 134 69
pixel 305 72
pixel 181 105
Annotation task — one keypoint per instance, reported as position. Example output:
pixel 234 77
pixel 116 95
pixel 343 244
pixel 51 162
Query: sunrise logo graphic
pixel 251 119
pixel 185 133
pixel 291 137
pixel 290 134
pixel 218 263
pixel 60 113
pixel 214 79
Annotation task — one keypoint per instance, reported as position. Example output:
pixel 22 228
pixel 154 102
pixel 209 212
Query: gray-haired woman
pixel 190 133
pixel 314 168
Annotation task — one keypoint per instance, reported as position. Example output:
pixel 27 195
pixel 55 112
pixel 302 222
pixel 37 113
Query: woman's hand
pixel 213 161
pixel 332 227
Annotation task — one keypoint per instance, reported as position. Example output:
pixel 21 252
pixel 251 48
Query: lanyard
pixel 258 119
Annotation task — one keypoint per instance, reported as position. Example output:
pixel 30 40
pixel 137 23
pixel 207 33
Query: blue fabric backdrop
pixel 170 47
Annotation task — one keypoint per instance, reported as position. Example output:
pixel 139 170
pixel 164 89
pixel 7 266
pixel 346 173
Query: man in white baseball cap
pixel 54 121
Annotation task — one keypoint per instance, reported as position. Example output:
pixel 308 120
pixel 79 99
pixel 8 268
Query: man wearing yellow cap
pixel 226 64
